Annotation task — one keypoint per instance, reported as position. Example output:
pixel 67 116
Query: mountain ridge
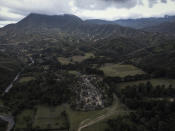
pixel 64 24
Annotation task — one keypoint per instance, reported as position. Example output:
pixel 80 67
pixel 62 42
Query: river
pixel 8 119
pixel 11 84
pixel 17 77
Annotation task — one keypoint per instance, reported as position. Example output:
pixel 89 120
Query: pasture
pixel 26 79
pixel 50 118
pixel 75 58
pixel 120 70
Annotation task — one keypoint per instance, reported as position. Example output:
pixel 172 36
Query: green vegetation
pixel 50 118
pixel 149 114
pixel 64 61
pixel 101 126
pixel 73 72
pixel 54 60
pixel 119 70
pixel 26 79
pixel 74 59
pixel 9 67
pixel 59 117
pixel 3 125
pixel 156 81
pixel 25 119
pixel 82 58
pixel 79 118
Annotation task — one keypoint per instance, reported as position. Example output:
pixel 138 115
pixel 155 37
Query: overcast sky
pixel 12 11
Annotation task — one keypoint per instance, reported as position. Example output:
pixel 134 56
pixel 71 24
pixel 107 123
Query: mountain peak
pixel 50 20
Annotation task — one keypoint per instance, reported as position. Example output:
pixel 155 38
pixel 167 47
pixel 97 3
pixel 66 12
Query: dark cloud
pixel 154 2
pixel 164 1
pixel 103 4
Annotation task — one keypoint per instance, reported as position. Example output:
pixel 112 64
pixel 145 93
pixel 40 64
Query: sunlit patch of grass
pixel 26 79
pixel 64 61
pixel 120 70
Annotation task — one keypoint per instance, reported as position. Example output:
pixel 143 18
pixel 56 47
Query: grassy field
pixel 101 126
pixel 50 118
pixel 117 109
pixel 82 58
pixel 76 117
pixel 26 79
pixel 155 82
pixel 24 119
pixel 73 72
pixel 74 59
pixel 114 70
pixel 64 61
pixel 79 118
pixel 45 117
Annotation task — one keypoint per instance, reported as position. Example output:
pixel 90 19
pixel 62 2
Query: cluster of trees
pixel 47 89
pixel 147 90
pixel 160 71
pixel 127 78
pixel 9 67
pixel 149 113
pixel 144 121
pixel 144 95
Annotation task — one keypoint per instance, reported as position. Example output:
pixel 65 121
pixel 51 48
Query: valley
pixel 63 73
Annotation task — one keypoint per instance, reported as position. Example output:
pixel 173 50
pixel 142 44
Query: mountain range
pixel 142 23
pixel 37 26
pixel 63 73
pixel 117 39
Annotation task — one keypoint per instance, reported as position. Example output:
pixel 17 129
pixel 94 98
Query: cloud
pixel 103 4
pixel 15 10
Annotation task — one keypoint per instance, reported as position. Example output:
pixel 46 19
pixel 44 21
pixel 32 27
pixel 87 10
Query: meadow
pixel 120 70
